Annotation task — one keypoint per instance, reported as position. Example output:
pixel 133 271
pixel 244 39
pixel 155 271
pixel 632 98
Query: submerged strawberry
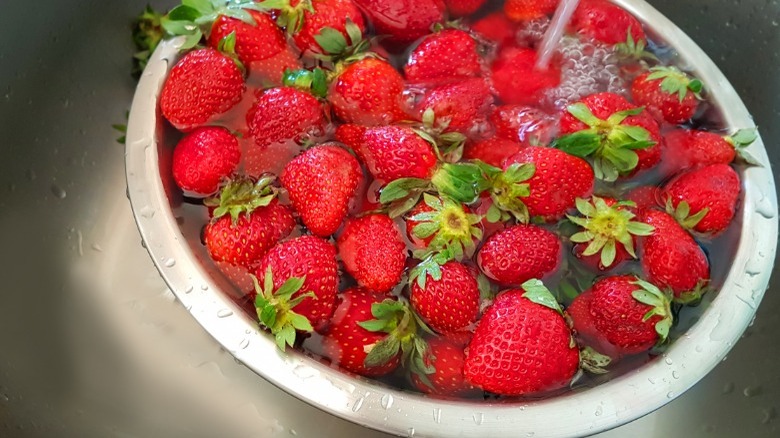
pixel 520 253
pixel 606 22
pixel 447 299
pixel 686 148
pixel 522 344
pixel 517 80
pixel 446 357
pixel 448 54
pixel 285 114
pixel 668 93
pixel 524 124
pixel 204 158
pixel 493 151
pixel 461 8
pixel 368 92
pixel 524 10
pixel 403 21
pixel 496 28
pixel 373 251
pixel 460 106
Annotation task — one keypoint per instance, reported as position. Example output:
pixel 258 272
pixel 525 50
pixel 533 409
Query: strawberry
pixel 446 356
pixel 373 251
pixel 524 124
pixel 496 28
pixel 606 22
pixel 402 21
pixel 672 259
pixel 447 300
pixel 204 158
pixel 313 260
pixel 347 343
pixel 686 148
pixel 459 106
pixel 462 8
pixel 516 79
pixel 645 198
pixel 441 223
pixel 390 152
pixel 368 92
pixel 558 180
pixel 248 220
pixel 322 183
pixel 493 151
pixel 202 85
pixel 525 10
pixel 608 230
pixel 284 114
pixel 448 54
pixel 622 140
pixel 668 93
pixel 712 190
pixel 519 253
pixel 522 344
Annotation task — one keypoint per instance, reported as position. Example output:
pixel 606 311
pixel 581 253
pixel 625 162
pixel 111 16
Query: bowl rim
pixel 386 409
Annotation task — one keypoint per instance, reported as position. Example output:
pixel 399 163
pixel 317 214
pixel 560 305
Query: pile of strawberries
pixel 398 193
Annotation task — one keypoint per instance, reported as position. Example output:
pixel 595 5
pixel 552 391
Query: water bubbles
pixel 358 404
pixel 386 401
pixel 224 313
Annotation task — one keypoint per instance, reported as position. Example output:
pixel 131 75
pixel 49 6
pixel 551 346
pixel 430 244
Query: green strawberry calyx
pixel 452 227
pixel 275 308
pixel 694 295
pixel 634 51
pixel 447 145
pixel 314 81
pixel 147 34
pixel 403 194
pixel 611 143
pixel 227 46
pixel 682 213
pixel 430 264
pixel 537 292
pixel 674 81
pixel 605 227
pixel 462 182
pixel 507 188
pixel 740 140
pixel 660 304
pixel 193 18
pixel 335 47
pixel 291 17
pixel 594 362
pixel 242 195
pixel 403 328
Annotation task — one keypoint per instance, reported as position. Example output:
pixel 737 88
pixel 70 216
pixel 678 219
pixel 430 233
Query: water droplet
pixel 58 191
pixel 170 263
pixel 293 432
pixel 765 207
pixel 31 175
pixel 147 212
pixel 437 415
pixel 244 343
pixel 768 414
pixel 699 348
pixel 189 289
pixel 204 287
pixel 358 404
pixel 728 388
pixel 530 434
pixel 599 411
pixel 668 360
pixel 670 395
pixel 386 401
pixel 675 375
pixel 651 380
pixel 751 391
pixel 479 418
pixel 410 432
pixel 305 372
pixel 4 397
pixel 95 247
pixel 224 313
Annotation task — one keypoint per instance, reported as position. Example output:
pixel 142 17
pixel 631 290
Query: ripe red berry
pixel 205 158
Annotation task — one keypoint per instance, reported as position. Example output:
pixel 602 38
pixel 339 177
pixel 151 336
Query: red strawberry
pixel 519 253
pixel 520 346
pixel 624 140
pixel 668 93
pixel 247 222
pixel 285 114
pixel 687 148
pixel 462 8
pixel 447 302
pixel 306 20
pixel 441 223
pixel 373 251
pixel 524 124
pixel 606 22
pixel 202 85
pixel 496 28
pixel 713 190
pixel 459 106
pixel 630 314
pixel 493 151
pixel 672 259
pixel 390 152
pixel 524 10
pixel 645 197
pixel 321 183
pixel 204 158
pixel 313 260
pixel 403 21
pixel 368 92
pixel 559 179
pixel 346 342
pixel 449 54
pixel 447 358
pixel 516 79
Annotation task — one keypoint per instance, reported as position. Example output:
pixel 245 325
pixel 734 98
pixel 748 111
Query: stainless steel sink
pixel 93 343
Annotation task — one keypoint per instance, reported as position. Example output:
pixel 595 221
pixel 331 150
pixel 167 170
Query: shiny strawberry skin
pixel 390 152
pixel 450 304
pixel 520 253
pixel 523 10
pixel 204 158
pixel 715 187
pixel 524 124
pixel 606 22
pixel 516 79
pixel 664 105
pixel 464 103
pixel 686 148
pixel 327 13
pixel 403 21
pixel 447 356
pixel 314 258
pixel 246 242
pixel 285 114
pixel 645 198
pixel 520 347
pixel 345 341
pixel 670 257
pixel 559 180
pixel 493 151
pixel 322 183
pixel 462 8
pixel 202 85
pixel 373 251
pixel 449 54
pixel 496 28
pixel 368 92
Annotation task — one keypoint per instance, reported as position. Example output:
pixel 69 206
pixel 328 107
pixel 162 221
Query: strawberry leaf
pixel 743 137
pixel 594 362
pixel 401 188
pixel 381 352
pixel 580 144
pixel 581 112
pixel 537 292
